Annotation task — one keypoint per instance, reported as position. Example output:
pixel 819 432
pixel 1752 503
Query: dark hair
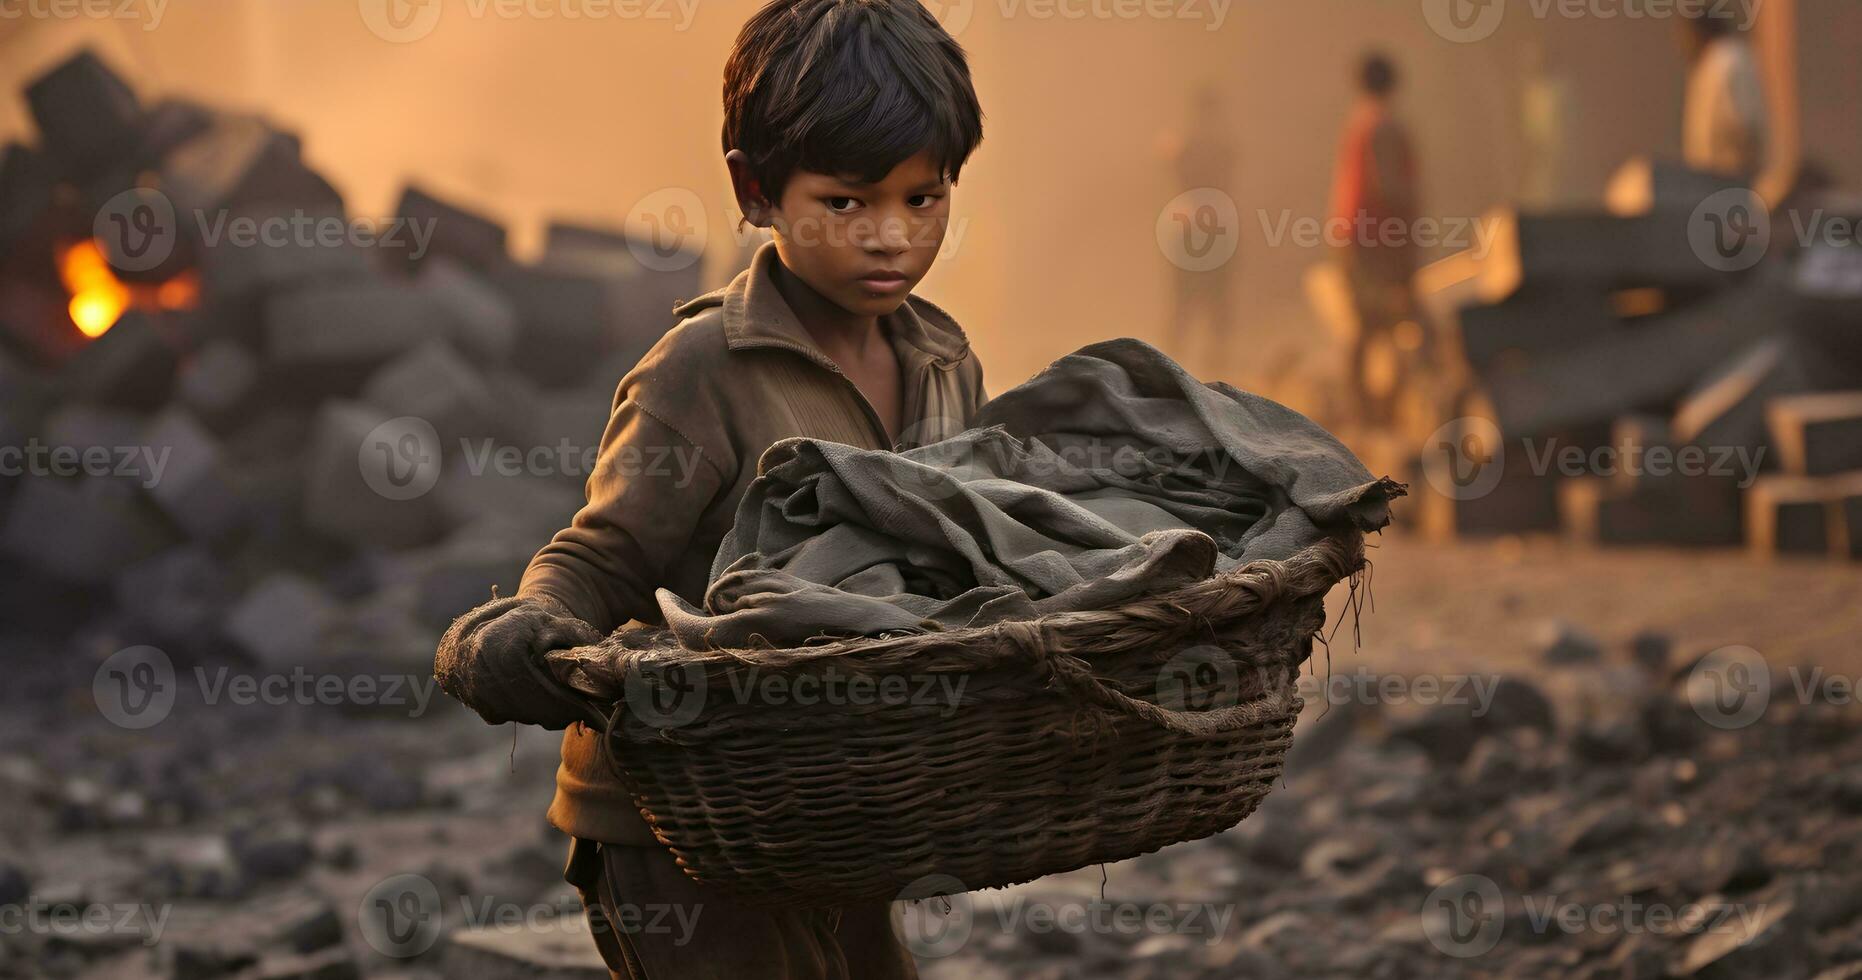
pixel 847 87
pixel 1709 24
pixel 1376 74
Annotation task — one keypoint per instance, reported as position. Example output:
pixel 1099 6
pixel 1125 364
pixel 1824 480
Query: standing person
pixel 1723 124
pixel 1373 216
pixel 845 125
pixel 1202 156
pixel 1544 115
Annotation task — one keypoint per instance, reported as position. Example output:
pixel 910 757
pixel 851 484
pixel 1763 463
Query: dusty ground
pixel 1483 605
pixel 239 822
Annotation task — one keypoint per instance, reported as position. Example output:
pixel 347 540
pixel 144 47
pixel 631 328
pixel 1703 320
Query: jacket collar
pixel 756 315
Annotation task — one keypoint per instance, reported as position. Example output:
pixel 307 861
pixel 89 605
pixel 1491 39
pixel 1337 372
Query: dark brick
pixel 472 239
pixel 88 117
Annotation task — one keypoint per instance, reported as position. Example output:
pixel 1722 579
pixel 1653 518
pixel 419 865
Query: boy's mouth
pixel 883 280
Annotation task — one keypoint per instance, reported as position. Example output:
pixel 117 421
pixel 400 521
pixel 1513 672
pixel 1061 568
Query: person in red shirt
pixel 1372 218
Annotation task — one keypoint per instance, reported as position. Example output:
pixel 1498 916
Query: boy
pixel 846 123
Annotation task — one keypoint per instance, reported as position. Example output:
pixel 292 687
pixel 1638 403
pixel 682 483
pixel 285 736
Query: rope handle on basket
pixel 1275 701
pixel 1317 567
pixel 1314 569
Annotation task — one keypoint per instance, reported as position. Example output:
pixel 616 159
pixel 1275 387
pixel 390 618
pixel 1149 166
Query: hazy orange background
pixel 538 117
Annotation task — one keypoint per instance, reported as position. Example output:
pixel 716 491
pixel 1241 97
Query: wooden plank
pixel 1633 436
pixel 1849 508
pixel 1796 515
pixel 1817 434
pixel 1726 410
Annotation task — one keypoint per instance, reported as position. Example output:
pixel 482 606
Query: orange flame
pixel 98 298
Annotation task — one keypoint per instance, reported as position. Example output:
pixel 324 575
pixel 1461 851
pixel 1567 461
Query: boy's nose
pixel 891 236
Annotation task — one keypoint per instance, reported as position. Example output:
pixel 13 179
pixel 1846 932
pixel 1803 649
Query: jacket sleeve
pixel 650 488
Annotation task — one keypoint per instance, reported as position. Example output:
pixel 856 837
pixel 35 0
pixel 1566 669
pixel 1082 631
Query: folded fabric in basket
pixel 1111 474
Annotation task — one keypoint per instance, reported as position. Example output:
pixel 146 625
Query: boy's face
pixel 863 246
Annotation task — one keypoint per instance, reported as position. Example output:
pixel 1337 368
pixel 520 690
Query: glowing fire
pixel 98 298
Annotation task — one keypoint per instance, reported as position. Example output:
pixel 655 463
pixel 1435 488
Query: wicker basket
pixel 1071 743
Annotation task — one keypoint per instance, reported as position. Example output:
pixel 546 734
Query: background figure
pixel 1374 190
pixel 1544 111
pixel 1203 155
pixel 1723 123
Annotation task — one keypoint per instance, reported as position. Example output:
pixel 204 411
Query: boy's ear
pixel 750 199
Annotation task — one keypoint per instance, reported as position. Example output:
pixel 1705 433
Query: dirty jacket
pixel 736 374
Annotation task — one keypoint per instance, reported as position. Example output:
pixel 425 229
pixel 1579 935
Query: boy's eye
pixel 922 200
pixel 841 205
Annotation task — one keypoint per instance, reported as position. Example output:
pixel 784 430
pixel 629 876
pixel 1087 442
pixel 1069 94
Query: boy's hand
pixel 491 661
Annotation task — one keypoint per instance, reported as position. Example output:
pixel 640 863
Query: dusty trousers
pixel 651 922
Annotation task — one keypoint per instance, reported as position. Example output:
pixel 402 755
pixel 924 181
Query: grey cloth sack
pixel 1112 474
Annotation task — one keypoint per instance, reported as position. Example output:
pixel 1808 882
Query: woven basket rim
pixel 1211 604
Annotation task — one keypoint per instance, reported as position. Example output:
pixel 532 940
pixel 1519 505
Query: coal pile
pixel 248 424
pixel 255 454
pixel 1683 369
